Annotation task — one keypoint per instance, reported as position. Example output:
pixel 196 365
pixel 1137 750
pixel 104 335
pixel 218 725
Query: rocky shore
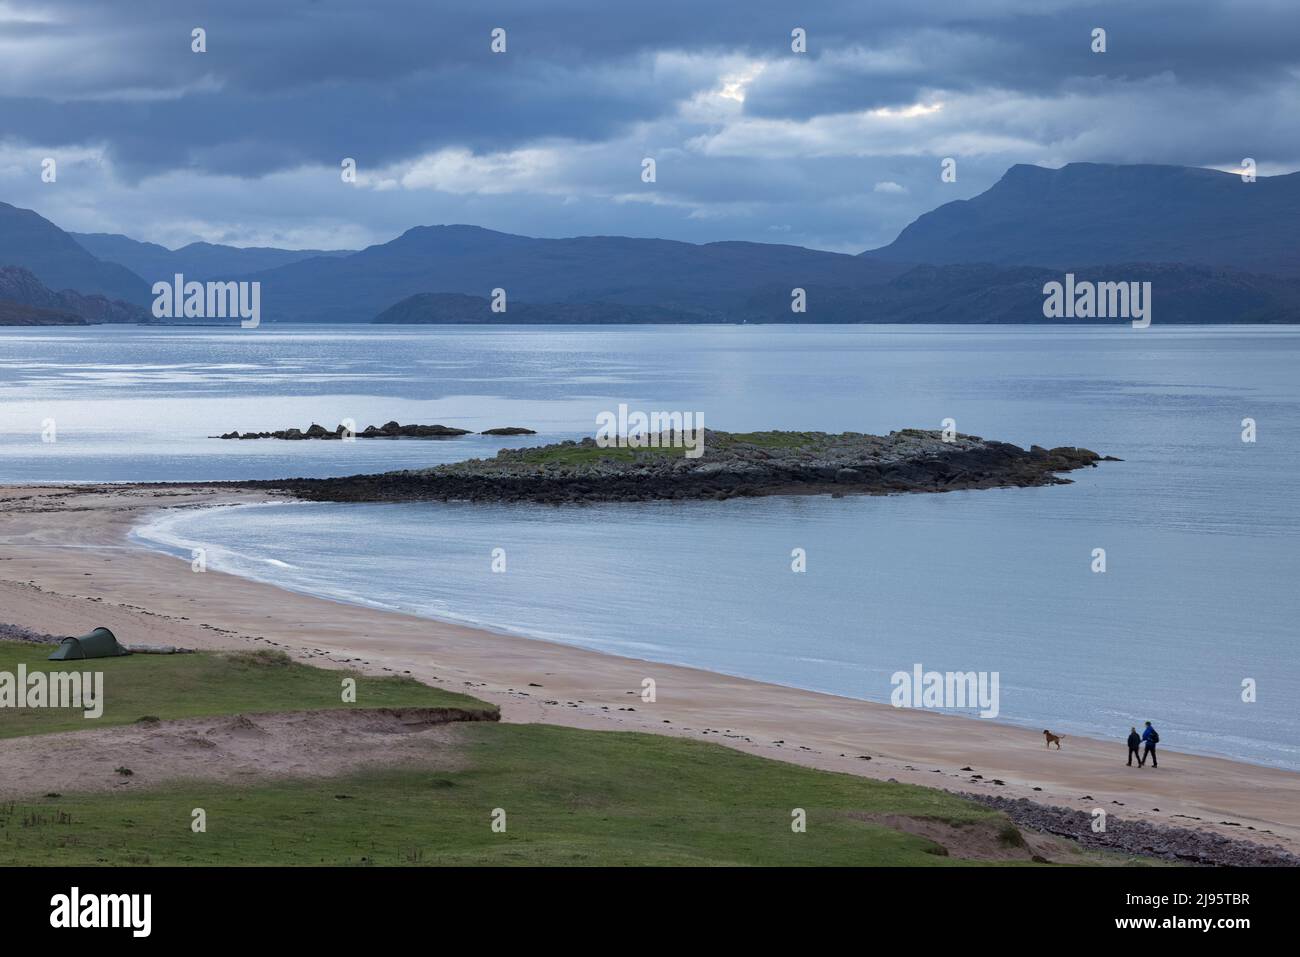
pixel 10 632
pixel 389 430
pixel 1181 844
pixel 731 465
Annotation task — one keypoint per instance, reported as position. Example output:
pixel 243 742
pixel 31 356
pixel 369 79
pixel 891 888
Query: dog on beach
pixel 1053 739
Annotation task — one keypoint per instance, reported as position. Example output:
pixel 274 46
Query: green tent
pixel 100 643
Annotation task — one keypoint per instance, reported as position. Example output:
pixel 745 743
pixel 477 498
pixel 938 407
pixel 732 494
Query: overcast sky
pixel 838 148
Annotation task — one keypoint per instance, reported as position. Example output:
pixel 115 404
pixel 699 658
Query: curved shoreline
pixel 181 551
pixel 150 597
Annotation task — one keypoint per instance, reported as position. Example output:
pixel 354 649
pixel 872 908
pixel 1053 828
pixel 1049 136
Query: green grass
pixel 587 454
pixel 777 440
pixel 571 797
pixel 579 455
pixel 205 684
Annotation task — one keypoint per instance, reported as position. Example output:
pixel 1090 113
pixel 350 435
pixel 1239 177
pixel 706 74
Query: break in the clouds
pixel 837 148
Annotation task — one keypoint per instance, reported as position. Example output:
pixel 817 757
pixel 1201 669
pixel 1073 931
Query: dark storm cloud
pixel 291 126
pixel 308 79
pixel 549 136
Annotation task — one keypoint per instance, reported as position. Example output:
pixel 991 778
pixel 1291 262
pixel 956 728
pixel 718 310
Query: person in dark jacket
pixel 1152 738
pixel 1134 742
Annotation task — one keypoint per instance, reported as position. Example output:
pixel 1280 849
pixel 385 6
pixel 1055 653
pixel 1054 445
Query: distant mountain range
pixel 455 307
pixel 1216 249
pixel 949 294
pixel 201 261
pixel 32 242
pixel 707 282
pixel 21 291
pixel 967 293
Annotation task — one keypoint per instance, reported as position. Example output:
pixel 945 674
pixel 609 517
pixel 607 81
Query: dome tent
pixel 100 643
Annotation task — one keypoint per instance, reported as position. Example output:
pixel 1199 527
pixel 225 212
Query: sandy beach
pixel 67 565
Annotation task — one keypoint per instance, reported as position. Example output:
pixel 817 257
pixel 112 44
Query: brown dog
pixel 1053 739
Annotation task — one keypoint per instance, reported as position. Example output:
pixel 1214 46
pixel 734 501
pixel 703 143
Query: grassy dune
pixel 569 796
pixel 202 685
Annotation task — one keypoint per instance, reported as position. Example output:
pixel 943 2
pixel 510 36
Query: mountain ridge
pixel 21 287
pixel 197 260
pixel 470 260
pixel 30 241
pixel 1086 214
pixel 1197 231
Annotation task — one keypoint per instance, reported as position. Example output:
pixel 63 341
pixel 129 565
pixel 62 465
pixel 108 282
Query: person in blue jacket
pixel 1151 737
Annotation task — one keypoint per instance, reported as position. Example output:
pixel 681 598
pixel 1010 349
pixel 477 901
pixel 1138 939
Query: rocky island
pixel 731 465
pixel 389 430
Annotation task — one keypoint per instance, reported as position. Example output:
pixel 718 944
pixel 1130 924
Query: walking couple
pixel 1150 738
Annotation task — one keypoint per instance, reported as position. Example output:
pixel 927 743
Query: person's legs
pixel 1133 753
pixel 1150 752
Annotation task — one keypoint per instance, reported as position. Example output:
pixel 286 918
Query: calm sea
pixel 1199 528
